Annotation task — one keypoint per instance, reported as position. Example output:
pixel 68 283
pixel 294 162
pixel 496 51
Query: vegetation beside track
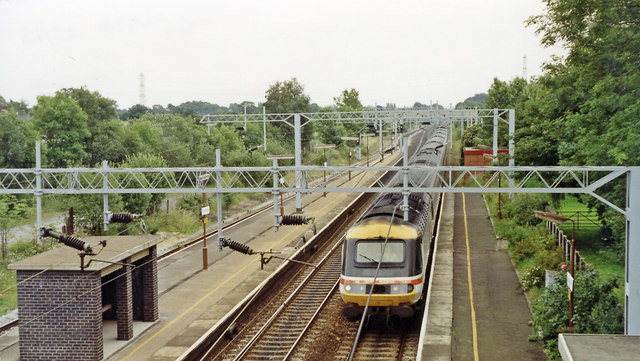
pixel 598 289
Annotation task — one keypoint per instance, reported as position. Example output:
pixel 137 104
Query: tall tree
pixel 348 101
pixel 17 139
pixel 63 127
pixel 289 97
pixel 104 142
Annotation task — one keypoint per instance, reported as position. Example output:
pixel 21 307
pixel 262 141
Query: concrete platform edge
pixel 436 332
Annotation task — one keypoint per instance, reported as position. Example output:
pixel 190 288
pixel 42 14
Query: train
pixel 400 280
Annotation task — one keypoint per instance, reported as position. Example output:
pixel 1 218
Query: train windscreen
pixel 368 252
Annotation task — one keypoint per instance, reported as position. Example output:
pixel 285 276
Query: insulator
pixel 238 247
pixel 74 242
pixel 293 220
pixel 121 218
pixel 68 240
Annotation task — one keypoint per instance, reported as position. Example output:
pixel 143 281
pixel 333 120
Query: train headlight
pixel 355 288
pixel 401 289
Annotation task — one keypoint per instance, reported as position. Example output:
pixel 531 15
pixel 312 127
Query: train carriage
pixel 404 245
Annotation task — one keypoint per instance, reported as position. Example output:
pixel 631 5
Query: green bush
pixel 522 207
pixel 533 277
pixel 596 309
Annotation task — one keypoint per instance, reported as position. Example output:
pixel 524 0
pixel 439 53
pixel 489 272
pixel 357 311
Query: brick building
pixel 62 308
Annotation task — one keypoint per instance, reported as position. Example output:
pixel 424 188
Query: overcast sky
pixel 230 51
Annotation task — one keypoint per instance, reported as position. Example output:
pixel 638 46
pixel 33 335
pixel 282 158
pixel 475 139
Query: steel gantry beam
pixel 308 179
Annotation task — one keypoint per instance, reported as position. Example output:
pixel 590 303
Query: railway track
pixel 287 316
pixel 276 338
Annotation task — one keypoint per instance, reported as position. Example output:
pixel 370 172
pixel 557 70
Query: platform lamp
pixel 348 139
pixel 556 219
pixel 277 158
pixel 367 135
pixel 324 172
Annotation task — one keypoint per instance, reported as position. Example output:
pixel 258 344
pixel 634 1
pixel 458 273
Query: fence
pixel 565 243
pixel 583 219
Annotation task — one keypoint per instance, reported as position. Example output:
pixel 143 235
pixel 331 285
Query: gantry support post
pixel 264 128
pixel 276 191
pixel 512 146
pixel 495 132
pixel 462 120
pixel 298 149
pixel 381 141
pixel 632 271
pixel 450 131
pixel 405 181
pixel 219 198
pixel 38 193
pixel 105 197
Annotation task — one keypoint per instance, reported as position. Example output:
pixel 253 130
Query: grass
pixel 17 251
pixel 589 244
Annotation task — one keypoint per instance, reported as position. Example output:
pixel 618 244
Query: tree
pixel 104 142
pixel 143 203
pixel 63 126
pixel 134 112
pixel 142 136
pixel 287 97
pixel 97 107
pixel 17 141
pixel 348 101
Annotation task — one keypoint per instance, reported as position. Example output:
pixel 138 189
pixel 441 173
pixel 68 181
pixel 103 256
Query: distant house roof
pixel 3 107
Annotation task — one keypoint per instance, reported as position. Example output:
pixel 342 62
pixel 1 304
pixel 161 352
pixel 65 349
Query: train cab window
pixel 369 252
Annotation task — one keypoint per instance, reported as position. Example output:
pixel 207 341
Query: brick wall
pixel 124 302
pixel 150 287
pixel 71 332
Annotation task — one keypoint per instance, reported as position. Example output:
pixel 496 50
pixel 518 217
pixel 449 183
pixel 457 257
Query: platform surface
pixel 575 347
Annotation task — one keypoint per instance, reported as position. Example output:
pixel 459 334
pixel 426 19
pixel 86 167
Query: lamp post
pixel 348 139
pixel 367 135
pixel 278 157
pixel 556 219
pixel 324 172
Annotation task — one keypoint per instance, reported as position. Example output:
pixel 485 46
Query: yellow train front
pixel 400 279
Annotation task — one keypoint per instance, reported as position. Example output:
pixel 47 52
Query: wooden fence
pixel 564 243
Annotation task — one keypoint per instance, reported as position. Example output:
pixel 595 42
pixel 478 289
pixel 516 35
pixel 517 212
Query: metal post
pixel 632 272
pixel 367 151
pixel 276 214
pixel 218 199
pixel 38 193
pixel 205 261
pixel 264 128
pixel 298 149
pixel 324 173
pixel 381 142
pixel 462 119
pixel 405 181
pixel 512 146
pixel 105 197
pixel 450 132
pixel 572 269
pixel 495 132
